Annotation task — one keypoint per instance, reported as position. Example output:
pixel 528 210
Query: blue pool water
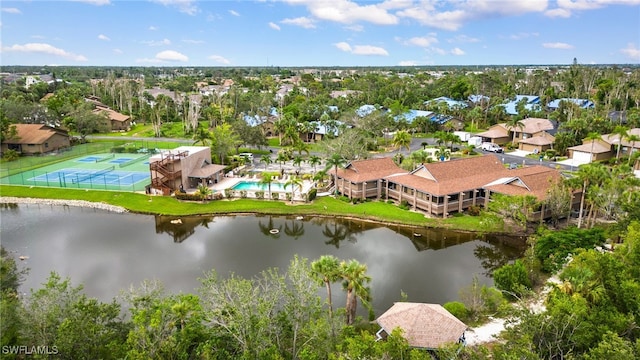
pixel 255 186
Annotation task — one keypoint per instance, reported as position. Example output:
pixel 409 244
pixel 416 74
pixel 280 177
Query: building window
pixel 46 145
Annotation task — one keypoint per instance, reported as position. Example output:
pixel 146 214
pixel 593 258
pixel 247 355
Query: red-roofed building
pixel 444 187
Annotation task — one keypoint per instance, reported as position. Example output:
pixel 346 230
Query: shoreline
pixel 75 203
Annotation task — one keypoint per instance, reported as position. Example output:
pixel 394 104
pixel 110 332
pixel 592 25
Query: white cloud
pixel 423 41
pixel 304 22
pixel 361 49
pixel 162 42
pixel 438 51
pixel 463 39
pixel 150 61
pixel 343 46
pixel 428 12
pixel 355 27
pixel 118 51
pixel 184 6
pixel 457 51
pixel 95 2
pixel 103 37
pixel 407 63
pixel 566 7
pixel 369 50
pixel 560 13
pixel 190 41
pixel 522 35
pixel 153 28
pixel 11 10
pixel 44 49
pixel 171 55
pixel 349 12
pixel 274 26
pixel 631 52
pixel 219 59
pixel 558 45
pixel 234 13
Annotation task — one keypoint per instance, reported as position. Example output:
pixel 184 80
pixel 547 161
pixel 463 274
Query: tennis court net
pixel 84 178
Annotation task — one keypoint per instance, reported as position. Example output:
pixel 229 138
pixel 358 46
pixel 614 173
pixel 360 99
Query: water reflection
pixel 108 252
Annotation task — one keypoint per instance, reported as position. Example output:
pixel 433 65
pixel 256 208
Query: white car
pixel 487 146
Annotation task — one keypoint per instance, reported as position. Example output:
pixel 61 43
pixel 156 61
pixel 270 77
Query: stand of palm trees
pixel 328 269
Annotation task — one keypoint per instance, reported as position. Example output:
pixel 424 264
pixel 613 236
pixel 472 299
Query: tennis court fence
pixel 103 179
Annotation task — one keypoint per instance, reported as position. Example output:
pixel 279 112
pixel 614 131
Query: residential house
pixel 441 188
pixel 604 148
pixel 36 139
pixel 582 103
pixel 535 135
pixel 426 326
pixel 117 121
pixel 531 103
pixel 478 99
pixel 451 103
pixel 185 166
pixel 365 110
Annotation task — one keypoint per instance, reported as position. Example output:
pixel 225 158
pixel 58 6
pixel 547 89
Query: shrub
pixel 188 197
pixel 553 247
pixel 288 196
pixel 404 205
pixel 344 198
pixel 243 194
pixel 311 195
pixel 228 193
pixel 513 279
pixel 474 210
pixel 275 195
pixel 259 194
pixel 10 155
pixel 457 309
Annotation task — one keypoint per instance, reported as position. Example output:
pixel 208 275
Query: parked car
pixel 487 146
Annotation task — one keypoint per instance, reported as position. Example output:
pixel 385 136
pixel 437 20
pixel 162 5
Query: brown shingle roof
pixel 369 169
pixel 206 171
pixel 453 176
pixel 534 125
pixel 112 114
pixel 598 147
pixel 495 132
pixel 34 134
pixel 539 140
pixel 424 325
pixel 533 180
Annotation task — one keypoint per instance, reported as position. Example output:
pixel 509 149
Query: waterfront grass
pixel 325 206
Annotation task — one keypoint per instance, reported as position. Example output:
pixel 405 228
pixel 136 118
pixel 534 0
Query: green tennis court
pixel 108 171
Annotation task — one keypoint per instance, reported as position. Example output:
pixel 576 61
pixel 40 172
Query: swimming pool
pixel 256 186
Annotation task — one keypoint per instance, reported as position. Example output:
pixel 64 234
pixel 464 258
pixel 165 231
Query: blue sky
pixel 319 32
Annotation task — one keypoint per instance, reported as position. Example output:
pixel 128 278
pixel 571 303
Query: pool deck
pixel 229 182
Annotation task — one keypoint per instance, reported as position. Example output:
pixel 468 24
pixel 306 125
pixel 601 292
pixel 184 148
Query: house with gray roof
pixel 426 326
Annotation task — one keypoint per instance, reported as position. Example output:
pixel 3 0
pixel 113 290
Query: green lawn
pixel 325 206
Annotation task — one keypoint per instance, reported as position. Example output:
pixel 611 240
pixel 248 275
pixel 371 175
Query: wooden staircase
pixel 164 176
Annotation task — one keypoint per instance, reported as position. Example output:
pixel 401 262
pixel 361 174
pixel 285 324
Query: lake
pixel 109 252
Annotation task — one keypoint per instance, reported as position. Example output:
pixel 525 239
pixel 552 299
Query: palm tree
pixel 588 174
pixel 443 153
pixel 203 191
pixel 266 178
pixel 313 161
pixel 296 230
pixel 295 182
pixel 632 138
pixel 202 136
pixel 297 160
pixel 622 133
pixel 355 280
pixel 593 136
pixel 281 159
pixel 335 161
pixel 327 271
pixel 513 123
pixel 266 159
pixel 402 139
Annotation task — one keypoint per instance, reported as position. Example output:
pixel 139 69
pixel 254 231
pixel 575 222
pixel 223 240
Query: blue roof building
pixel 450 102
pixel 410 115
pixel 583 103
pixel 365 110
pixel 532 104
pixel 476 99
